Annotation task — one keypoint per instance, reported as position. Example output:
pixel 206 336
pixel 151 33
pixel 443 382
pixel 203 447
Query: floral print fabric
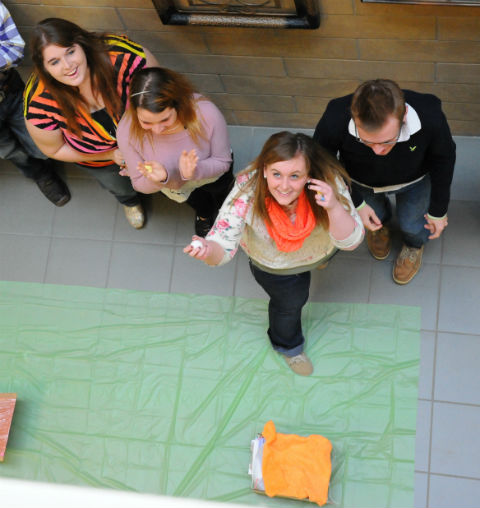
pixel 236 226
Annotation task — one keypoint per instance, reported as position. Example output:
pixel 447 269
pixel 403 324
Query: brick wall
pixel 285 77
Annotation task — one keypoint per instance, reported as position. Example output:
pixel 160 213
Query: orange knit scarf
pixel 289 237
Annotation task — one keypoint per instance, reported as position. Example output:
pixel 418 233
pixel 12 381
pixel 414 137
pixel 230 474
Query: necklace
pixel 177 127
pixel 291 208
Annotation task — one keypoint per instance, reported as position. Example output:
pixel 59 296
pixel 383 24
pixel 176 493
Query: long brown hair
pixel 156 89
pixel 284 146
pixel 65 34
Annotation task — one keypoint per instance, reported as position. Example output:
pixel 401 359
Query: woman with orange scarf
pixel 290 211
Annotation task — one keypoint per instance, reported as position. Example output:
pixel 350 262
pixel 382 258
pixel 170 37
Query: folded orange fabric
pixel 296 466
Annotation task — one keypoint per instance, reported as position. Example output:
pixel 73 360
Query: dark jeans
pixel 16 145
pixel 120 186
pixel 288 294
pixel 412 204
pixel 207 199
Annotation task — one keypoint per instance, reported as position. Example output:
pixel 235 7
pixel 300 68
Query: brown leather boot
pixel 379 242
pixel 407 264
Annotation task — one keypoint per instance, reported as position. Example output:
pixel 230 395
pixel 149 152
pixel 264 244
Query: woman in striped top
pixel 75 98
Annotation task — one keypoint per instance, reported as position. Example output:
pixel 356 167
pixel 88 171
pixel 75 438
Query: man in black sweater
pixel 393 142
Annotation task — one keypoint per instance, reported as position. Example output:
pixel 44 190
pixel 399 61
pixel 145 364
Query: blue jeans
pixel 412 204
pixel 16 145
pixel 288 294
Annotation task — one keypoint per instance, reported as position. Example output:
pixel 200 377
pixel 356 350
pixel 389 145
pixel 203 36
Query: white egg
pixel 196 244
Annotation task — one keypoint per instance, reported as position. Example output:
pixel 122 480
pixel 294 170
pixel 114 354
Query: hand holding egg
pixel 196 244
pixel 197 248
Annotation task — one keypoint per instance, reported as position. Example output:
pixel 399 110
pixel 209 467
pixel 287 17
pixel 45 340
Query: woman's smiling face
pixel 67 65
pixel 286 179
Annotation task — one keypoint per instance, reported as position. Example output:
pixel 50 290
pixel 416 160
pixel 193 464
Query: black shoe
pixel 203 225
pixel 54 189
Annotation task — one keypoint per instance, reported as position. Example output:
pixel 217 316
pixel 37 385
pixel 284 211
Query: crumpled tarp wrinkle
pixel 296 466
pixel 162 393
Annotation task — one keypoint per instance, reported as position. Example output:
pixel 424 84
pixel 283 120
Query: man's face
pixel 382 140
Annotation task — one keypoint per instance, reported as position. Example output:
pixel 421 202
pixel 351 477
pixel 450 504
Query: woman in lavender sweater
pixel 175 141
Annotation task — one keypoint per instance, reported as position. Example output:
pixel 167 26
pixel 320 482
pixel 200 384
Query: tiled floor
pixel 88 242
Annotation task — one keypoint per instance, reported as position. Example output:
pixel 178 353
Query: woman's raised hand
pixel 324 195
pixel 188 163
pixel 153 170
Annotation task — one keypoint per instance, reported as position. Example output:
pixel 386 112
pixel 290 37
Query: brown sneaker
pixel 407 264
pixel 300 364
pixel 379 242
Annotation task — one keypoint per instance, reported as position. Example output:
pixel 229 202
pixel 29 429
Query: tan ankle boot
pixel 135 216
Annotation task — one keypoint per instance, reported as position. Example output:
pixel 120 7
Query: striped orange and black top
pixel 42 110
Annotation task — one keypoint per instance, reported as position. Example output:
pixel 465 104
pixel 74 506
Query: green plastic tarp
pixel 162 393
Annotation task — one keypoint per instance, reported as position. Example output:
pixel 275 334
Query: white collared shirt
pixel 410 126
